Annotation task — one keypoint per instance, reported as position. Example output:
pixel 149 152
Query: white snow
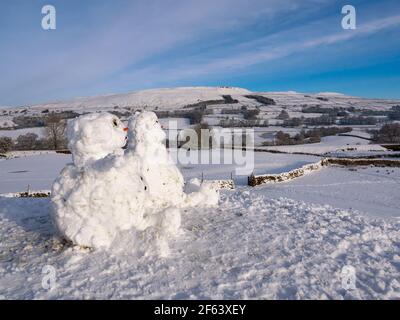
pixel 257 244
pixel 6 121
pixel 254 246
pixel 331 144
pixel 37 171
pixel 372 191
pixel 181 123
pixel 40 168
pixel 161 98
pixel 201 193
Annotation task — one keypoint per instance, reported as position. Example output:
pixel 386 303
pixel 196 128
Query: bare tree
pixel 55 130
pixel 389 133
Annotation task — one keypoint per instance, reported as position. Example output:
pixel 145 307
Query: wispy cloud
pixel 261 51
pixel 106 40
pixel 133 44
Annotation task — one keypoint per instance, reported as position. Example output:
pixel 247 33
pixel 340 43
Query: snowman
pixel 107 190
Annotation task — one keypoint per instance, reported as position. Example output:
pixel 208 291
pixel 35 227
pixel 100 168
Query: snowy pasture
pixel 251 247
pixel 332 144
pixel 279 241
pixel 286 240
pixel 40 170
pixel 37 171
pixel 372 191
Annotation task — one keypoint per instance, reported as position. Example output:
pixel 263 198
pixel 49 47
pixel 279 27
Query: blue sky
pixel 102 47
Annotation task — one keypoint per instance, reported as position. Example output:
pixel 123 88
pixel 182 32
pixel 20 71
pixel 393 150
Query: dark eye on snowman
pixel 115 123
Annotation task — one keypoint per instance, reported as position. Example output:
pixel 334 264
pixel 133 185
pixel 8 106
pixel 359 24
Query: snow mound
pixel 107 190
pixel 201 193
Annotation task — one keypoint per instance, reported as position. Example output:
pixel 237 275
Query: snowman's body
pixel 92 205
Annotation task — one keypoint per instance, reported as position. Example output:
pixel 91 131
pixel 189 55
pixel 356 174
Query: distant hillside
pixel 222 100
pixel 167 98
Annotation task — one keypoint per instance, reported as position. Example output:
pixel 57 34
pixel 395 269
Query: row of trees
pixel 239 123
pixel 335 111
pixel 327 120
pixel 323 120
pixel 392 114
pixel 395 113
pixel 306 136
pixel 389 133
pixel 248 114
pixel 26 121
pixel 358 120
pixel 195 116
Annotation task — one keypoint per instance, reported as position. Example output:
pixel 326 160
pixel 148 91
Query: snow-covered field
pixel 372 191
pixel 6 121
pixel 253 246
pixel 332 144
pixel 37 171
pixel 278 241
pixel 178 123
pixel 288 240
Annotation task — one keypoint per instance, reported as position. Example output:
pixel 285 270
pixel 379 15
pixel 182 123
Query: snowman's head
pixel 94 136
pixel 145 129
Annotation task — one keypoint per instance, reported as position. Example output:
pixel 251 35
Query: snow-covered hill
pixel 177 98
pixel 295 100
pixel 166 98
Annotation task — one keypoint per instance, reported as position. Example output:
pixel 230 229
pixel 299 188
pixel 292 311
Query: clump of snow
pixel 106 191
pixel 201 193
